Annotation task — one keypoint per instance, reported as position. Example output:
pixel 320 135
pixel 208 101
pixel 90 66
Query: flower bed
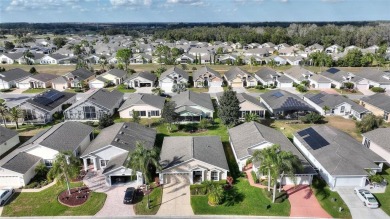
pixel 77 197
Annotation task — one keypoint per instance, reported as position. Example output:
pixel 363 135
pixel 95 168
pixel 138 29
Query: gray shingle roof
pixel 205 70
pixel 44 77
pixel 379 100
pixel 45 100
pixel 116 162
pixel 319 79
pixel 14 74
pixel 58 56
pixel 209 149
pixel 21 163
pixel 336 151
pixel 6 134
pixel 335 74
pixel 298 72
pixel 280 100
pixel 14 56
pixel 380 136
pixel 373 75
pixel 81 73
pixel 124 136
pixel 266 74
pixel 234 71
pixel 190 98
pixel 332 100
pixel 143 99
pixel 147 75
pixel 176 70
pixel 245 97
pixel 249 134
pixel 117 72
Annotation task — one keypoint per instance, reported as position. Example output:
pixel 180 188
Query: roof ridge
pixel 192 146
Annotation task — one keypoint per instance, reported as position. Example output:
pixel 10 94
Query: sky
pixel 42 11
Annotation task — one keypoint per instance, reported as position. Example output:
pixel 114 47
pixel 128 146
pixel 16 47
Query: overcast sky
pixel 192 10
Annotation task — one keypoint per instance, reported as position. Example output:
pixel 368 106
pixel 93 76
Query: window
pixel 342 109
pixel 89 112
pixel 102 163
pixel 367 142
pixel 386 116
pixel 214 176
pixel 154 113
pixel 142 113
pixel 49 163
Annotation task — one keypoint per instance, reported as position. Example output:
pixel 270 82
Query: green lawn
pixel 384 198
pixel 45 203
pixel 34 90
pixel 243 200
pixel 340 91
pixel 155 196
pixel 254 90
pixel 326 198
pixel 122 88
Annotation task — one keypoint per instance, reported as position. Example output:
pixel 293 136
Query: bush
pixel 279 196
pixel 105 121
pixel 301 88
pixel 313 118
pixel 259 87
pixel 378 89
pixel 254 176
pixel 349 85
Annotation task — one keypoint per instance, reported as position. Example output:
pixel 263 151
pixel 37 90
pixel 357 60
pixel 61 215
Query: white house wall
pixel 11 178
pixel 378 150
pixel 10 143
pixel 43 152
pixel 108 152
pixel 126 113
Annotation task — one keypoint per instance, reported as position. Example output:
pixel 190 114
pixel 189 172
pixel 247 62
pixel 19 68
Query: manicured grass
pixel 325 196
pixel 243 200
pixel 384 198
pixel 340 91
pixel 45 203
pixel 155 196
pixel 122 88
pixel 199 90
pixel 254 90
pixel 313 92
pixel 34 90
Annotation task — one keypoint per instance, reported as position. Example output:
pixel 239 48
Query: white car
pixel 366 197
pixel 5 194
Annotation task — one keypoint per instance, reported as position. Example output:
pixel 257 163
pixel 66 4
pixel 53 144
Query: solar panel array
pixel 317 98
pixel 291 103
pixel 278 94
pixel 333 70
pixel 48 97
pixel 313 139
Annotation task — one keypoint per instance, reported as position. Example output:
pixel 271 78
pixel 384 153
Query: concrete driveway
pixel 215 90
pixel 358 210
pixel 240 89
pixel 144 90
pixel 176 197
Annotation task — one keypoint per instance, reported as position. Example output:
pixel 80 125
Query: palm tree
pixel 272 63
pixel 4 113
pixel 250 117
pixel 15 113
pixel 325 108
pixel 215 192
pixel 27 55
pixel 143 159
pixel 266 157
pixel 65 166
pixel 287 163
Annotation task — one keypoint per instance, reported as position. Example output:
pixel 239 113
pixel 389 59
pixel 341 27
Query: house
pixel 141 79
pixel 270 77
pixel 333 49
pixel 192 106
pixel 41 80
pixel 336 104
pixel 53 59
pixel 8 139
pixel 339 77
pixel 319 82
pixel 227 59
pixel 18 167
pixel 9 79
pixel 11 58
pixel 372 78
pixel 339 158
pixel 294 60
pixel 285 104
pixel 207 77
pixel 298 74
pixel 314 48
pixel 257 52
pixel 195 158
pixel 378 104
pixel 108 153
pixel 248 105
pixel 171 77
pixel 77 78
pixel 139 59
pixel 237 77
pixel 94 105
pixel 378 140
pixel 40 109
pixel 111 77
pixel 147 106
pixel 248 137
pixel 185 59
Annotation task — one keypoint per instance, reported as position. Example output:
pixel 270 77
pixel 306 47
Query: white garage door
pixel 96 85
pixel 362 86
pixel 237 84
pixel 299 180
pixel 324 85
pixel 24 85
pixel 183 177
pixel 215 84
pixel 4 85
pixel 286 85
pixel 349 181
pixel 13 181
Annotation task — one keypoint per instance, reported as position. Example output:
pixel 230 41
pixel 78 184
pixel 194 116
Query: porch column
pixel 204 175
pixel 161 178
pixel 95 164
pixel 85 164
pixel 192 177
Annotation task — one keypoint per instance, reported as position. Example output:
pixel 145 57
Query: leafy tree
pixel 8 45
pixel 184 67
pixel 123 56
pixel 59 42
pixel 178 88
pixel 27 55
pixel 313 118
pixel 349 85
pixel 367 59
pixel 176 52
pixel 320 59
pixel 353 58
pixel 220 51
pixel 66 166
pixel 77 49
pixel 144 160
pixel 136 117
pixel 215 192
pixel 238 61
pixel 369 122
pixel 204 123
pixel 160 70
pixel 168 114
pixel 15 113
pixel 33 71
pixel 157 91
pixel 272 63
pixel 301 88
pixel 229 108
pixel 105 121
pixel 103 61
pixel 4 113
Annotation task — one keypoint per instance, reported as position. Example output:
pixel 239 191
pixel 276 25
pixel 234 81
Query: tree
pixel 325 108
pixel 144 160
pixel 15 113
pixel 178 88
pixel 33 70
pixel 266 158
pixel 77 49
pixel 27 56
pixel 369 122
pixel 8 45
pixel 157 91
pixel 4 113
pixel 160 70
pixel 168 114
pixel 184 67
pixel 272 63
pixel 59 42
pixel 41 170
pixel 204 123
pixel 229 108
pixel 105 121
pixel 214 191
pixel 66 166
pixel 220 51
pixel 103 61
pixel 136 117
pixel 249 117
pixel 353 58
pixel 313 118
pixel 123 56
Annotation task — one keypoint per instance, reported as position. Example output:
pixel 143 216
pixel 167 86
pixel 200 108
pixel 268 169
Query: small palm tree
pixel 251 117
pixel 15 113
pixel 4 113
pixel 143 159
pixel 325 108
pixel 266 157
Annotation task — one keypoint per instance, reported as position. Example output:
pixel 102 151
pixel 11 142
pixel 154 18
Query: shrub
pixel 279 196
pixel 305 83
pixel 259 87
pixel 313 118
pixel 301 88
pixel 254 176
pixel 349 85
pixel 204 123
pixel 105 121
pixel 378 89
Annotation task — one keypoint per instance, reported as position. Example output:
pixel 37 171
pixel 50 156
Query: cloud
pixel 130 3
pixel 188 2
pixel 21 5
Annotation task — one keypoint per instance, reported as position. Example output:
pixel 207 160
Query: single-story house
pixel 207 77
pixel 285 104
pixel 10 78
pixel 298 74
pixel 246 138
pixel 196 158
pixel 76 78
pixel 270 77
pixel 372 78
pixel 378 104
pixel 294 60
pixel 110 150
pixel 319 82
pixel 227 59
pixel 237 77
pixel 111 77
pixel 378 140
pixel 139 59
pixel 248 105
pixel 171 77
pixel 339 77
pixel 8 139
pixel 18 167
pixel 339 158
pixel 141 79
pixel 41 80
pixel 336 104
pixel 185 59
pixel 54 58
pixel 147 105
pixel 94 105
pixel 192 106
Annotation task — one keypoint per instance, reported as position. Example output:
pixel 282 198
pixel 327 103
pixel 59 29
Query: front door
pixel 197 177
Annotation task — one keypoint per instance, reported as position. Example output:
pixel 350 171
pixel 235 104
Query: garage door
pixel 349 181
pixel 175 177
pixel 237 84
pixel 215 84
pixel 145 84
pixel 13 181
pixel 96 85
pixel 4 86
pixel 324 85
pixel 24 85
pixel 362 86
pixel 286 85
pixel 115 180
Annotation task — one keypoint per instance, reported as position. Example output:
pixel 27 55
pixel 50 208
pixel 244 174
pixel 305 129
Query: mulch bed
pixel 80 177
pixel 78 196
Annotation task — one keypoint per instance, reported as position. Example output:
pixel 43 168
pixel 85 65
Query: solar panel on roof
pixel 278 94
pixel 48 97
pixel 313 139
pixel 333 70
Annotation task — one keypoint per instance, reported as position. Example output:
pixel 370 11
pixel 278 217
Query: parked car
pixel 5 194
pixel 366 197
pixel 129 195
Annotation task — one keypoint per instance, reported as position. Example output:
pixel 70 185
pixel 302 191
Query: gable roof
pixel 336 151
pixel 116 72
pixel 143 99
pixel 81 73
pixel 242 97
pixel 116 162
pixel 190 98
pixel 209 149
pixel 57 56
pixel 379 100
pixel 21 163
pixel 373 75
pixel 201 71
pixel 101 97
pixel 332 100
pixel 146 75
pixel 6 134
pixel 14 74
pixel 266 73
pixel 298 72
pixel 44 77
pixel 281 100
pixel 335 74
pixel 176 70
pixel 319 78
pixel 233 72
pixel 13 56
pixel 50 99
pixel 380 136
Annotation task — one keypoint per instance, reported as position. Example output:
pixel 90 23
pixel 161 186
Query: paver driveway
pixel 176 197
pixel 358 211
